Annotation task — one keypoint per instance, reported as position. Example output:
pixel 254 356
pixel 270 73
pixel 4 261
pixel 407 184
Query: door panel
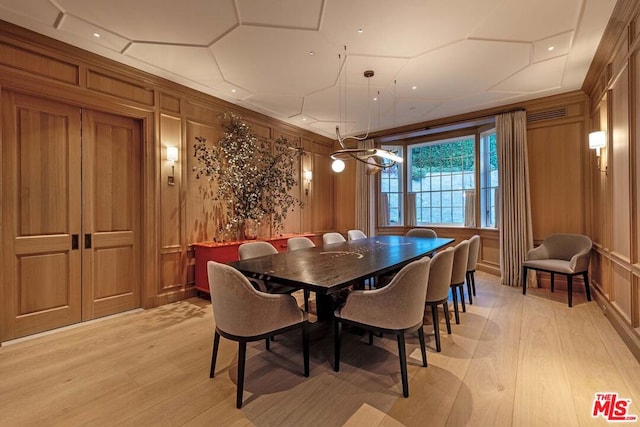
pixel 41 193
pixel 111 214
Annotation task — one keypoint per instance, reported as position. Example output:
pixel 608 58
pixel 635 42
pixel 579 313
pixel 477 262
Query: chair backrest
pixel 255 249
pixel 400 304
pixel 235 302
pixel 295 243
pixel 421 232
pixel 460 259
pixel 329 238
pixel 565 246
pixel 355 235
pixel 440 275
pixel 474 250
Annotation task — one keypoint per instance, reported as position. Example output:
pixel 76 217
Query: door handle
pixel 87 241
pixel 75 242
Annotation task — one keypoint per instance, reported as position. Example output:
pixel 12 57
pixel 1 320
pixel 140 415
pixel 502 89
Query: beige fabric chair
pixel 567 254
pixel 438 289
pixel 472 262
pixel 355 235
pixel 395 309
pixel 421 232
pixel 244 314
pixel 294 244
pixel 458 275
pixel 329 238
pixel 258 249
pixel 301 242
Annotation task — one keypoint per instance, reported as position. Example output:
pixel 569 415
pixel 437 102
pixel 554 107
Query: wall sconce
pixel 598 140
pixel 172 156
pixel 308 175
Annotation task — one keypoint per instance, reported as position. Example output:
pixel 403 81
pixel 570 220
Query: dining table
pixel 328 269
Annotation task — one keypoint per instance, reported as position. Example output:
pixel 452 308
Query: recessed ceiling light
pixel 304 119
pixel 414 87
pixel 311 53
pixel 360 30
pixel 550 48
pixel 96 35
pixel 375 98
pixel 233 90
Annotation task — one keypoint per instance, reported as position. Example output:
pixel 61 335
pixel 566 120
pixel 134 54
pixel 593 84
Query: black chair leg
pixel 336 345
pixel 445 307
pixel 461 290
pixel 469 291
pixel 214 354
pixel 524 280
pixel 473 282
pixel 423 348
pixel 570 289
pixel 267 343
pixel 242 354
pixel 403 364
pixel 436 326
pixel 455 305
pixel 306 293
pixel 587 285
pixel 305 348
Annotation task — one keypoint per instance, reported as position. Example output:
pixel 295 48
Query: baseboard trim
pixel 625 331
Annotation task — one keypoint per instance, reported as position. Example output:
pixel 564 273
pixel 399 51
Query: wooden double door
pixel 71 181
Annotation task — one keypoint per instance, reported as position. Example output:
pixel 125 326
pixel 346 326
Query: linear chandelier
pixel 376 159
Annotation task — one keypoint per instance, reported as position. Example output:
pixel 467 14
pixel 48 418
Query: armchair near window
pixel 567 254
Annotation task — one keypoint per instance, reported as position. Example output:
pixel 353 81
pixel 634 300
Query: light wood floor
pixel 514 360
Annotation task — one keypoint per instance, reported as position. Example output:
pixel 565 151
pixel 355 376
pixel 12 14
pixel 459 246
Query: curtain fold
pixel 470 208
pixel 411 210
pixel 365 197
pixel 514 207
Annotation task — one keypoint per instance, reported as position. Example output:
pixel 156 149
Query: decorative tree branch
pixel 254 179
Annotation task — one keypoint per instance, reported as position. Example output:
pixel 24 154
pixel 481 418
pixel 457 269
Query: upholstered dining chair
pixel 421 232
pixel 438 290
pixel 329 238
pixel 396 309
pixel 257 249
pixel 244 314
pixel 355 235
pixel 458 275
pixel 294 244
pixel 472 262
pixel 300 242
pixel 561 253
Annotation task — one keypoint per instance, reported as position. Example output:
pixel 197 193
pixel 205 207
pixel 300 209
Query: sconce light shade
pixel 337 165
pixel 597 140
pixel 172 154
pixel 308 175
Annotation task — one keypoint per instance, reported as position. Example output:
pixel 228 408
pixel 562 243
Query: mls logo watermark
pixel 612 408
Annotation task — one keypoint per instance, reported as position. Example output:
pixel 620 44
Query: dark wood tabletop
pixel 327 269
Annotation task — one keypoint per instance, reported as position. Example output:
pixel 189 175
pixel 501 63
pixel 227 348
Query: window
pixel 488 178
pixel 444 179
pixel 391 203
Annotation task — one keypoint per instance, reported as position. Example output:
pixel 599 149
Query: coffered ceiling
pixel 302 61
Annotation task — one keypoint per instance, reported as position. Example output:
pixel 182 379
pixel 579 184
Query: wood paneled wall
pixel 174 216
pixel 615 229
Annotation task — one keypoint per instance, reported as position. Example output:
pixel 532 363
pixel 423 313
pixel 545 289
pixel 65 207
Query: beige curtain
pixel 514 207
pixel 411 210
pixel 365 197
pixel 470 208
